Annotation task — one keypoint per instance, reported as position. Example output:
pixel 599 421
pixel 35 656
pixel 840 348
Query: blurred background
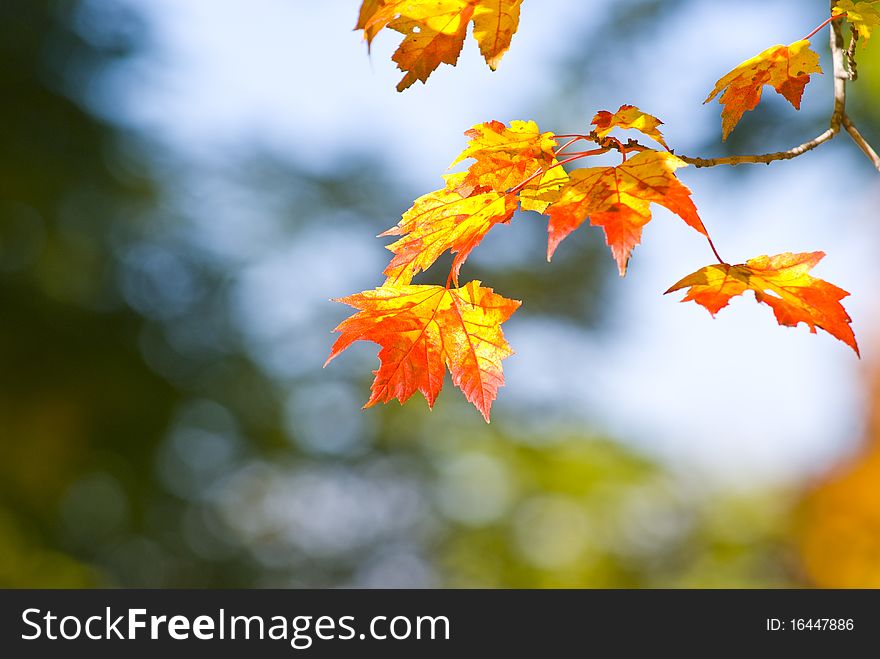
pixel 184 184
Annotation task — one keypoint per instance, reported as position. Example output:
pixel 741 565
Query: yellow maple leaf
pixel 495 22
pixel 864 16
pixel 434 31
pixel 507 156
pixel 369 9
pixel 628 117
pixel 446 219
pixel 785 68
pixel 519 140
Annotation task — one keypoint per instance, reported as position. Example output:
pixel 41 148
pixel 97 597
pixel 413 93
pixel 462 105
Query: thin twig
pixel 862 143
pixel 765 158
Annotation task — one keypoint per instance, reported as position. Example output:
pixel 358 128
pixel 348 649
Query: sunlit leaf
pixel 783 282
pixel 455 218
pixel 425 329
pixel 863 15
pixel 628 117
pixel 785 68
pixel 618 199
pixel 434 31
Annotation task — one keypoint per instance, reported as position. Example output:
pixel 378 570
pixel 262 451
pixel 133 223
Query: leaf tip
pixel 485 413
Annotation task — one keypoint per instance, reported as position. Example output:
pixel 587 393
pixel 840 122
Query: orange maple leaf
pixel 785 68
pixel 628 117
pixel 783 282
pixel 422 330
pixel 434 31
pixel 455 218
pixel 618 199
pixel 507 156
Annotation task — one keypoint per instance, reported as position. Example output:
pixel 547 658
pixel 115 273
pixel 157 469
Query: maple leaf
pixel 785 68
pixel 507 156
pixel 369 9
pixel 618 199
pixel 455 218
pixel 434 31
pixel 495 23
pixel 783 282
pixel 863 16
pixel 422 331
pixel 628 117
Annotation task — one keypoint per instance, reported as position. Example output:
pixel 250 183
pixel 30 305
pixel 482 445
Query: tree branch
pixel 839 57
pixel 851 63
pixel 766 158
pixel 840 74
pixel 862 143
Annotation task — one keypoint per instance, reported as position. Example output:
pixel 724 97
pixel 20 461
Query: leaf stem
pixel 715 251
pixel 541 170
pixel 824 23
pixel 591 152
pixel 568 144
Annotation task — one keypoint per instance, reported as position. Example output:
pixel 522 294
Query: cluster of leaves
pixel 423 330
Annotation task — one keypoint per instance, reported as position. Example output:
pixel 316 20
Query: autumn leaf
pixel 455 218
pixel 518 150
pixel 863 16
pixel 422 331
pixel 495 23
pixel 507 156
pixel 783 282
pixel 369 9
pixel 785 68
pixel 628 117
pixel 618 199
pixel 544 190
pixel 434 31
